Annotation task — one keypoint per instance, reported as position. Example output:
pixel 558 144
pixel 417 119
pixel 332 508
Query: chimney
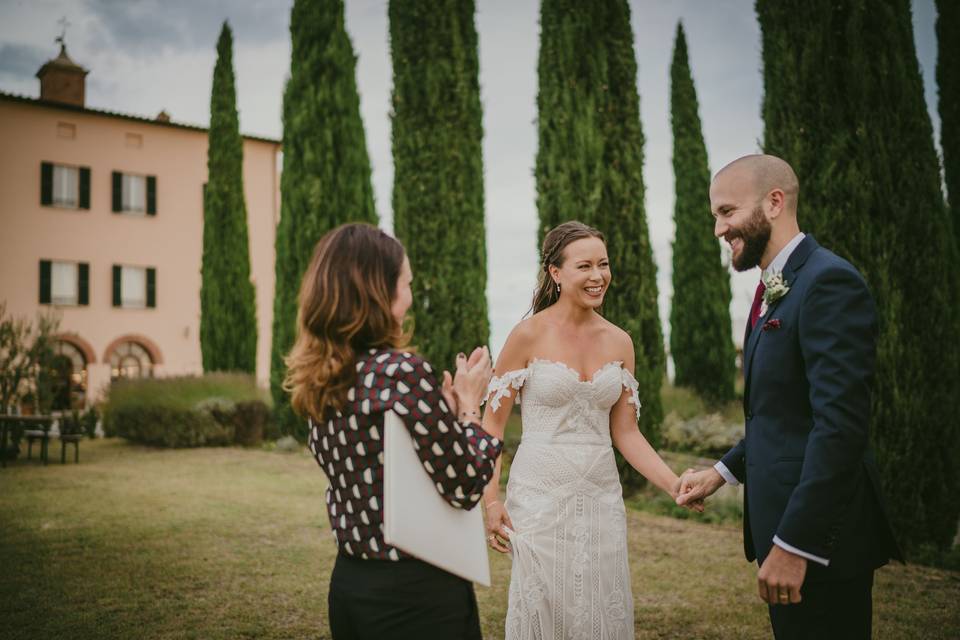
pixel 63 80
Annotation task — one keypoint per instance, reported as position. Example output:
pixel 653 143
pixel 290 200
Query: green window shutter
pixel 117 297
pixel 83 284
pixel 46 183
pixel 45 280
pixel 151 195
pixel 84 187
pixel 117 191
pixel 151 287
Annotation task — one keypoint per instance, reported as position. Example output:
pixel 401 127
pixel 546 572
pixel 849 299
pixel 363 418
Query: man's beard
pixel 755 234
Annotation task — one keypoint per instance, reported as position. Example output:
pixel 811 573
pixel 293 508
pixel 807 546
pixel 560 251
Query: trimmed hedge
pixel 212 410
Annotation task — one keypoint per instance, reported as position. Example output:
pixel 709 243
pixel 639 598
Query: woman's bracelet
pixel 469 414
pixel 492 502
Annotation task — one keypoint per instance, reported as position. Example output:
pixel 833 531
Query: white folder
pixel 417 520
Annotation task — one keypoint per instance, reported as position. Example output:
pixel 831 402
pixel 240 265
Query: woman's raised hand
pixel 448 395
pixel 471 380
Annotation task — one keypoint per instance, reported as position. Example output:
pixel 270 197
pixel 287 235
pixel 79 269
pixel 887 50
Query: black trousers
pixel 378 599
pixel 842 610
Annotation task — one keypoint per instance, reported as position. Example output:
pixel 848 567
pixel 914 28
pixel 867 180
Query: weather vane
pixel 64 23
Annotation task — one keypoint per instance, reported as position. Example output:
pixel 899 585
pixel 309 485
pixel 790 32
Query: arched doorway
pixel 66 378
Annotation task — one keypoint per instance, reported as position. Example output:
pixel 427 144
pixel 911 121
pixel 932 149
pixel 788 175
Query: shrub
pixel 253 420
pixel 212 410
pixel 89 421
pixel 71 423
pixel 708 434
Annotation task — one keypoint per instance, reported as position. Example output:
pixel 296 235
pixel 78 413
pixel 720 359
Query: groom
pixel 813 516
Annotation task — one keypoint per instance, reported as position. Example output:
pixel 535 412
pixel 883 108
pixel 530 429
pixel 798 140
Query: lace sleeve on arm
pixel 628 381
pixel 500 386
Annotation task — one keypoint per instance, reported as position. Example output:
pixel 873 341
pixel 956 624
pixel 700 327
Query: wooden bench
pixel 13 428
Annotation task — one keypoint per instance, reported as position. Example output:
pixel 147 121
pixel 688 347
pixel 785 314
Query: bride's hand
pixel 695 505
pixel 496 522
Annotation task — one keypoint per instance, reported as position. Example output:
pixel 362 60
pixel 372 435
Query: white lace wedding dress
pixel 570 577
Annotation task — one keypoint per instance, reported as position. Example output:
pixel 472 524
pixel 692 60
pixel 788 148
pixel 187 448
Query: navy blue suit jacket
pixel 808 472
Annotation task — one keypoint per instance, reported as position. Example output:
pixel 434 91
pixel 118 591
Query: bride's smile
pixel 585 269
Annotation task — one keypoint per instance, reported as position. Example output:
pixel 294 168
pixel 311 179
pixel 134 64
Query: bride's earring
pixel 558 288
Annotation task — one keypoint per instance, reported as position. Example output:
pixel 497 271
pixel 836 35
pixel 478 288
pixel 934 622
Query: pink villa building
pixel 101 220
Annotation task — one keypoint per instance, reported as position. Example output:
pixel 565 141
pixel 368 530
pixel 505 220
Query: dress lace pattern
pixel 570 577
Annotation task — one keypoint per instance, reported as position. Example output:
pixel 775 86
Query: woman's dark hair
pixel 345 301
pixel 551 254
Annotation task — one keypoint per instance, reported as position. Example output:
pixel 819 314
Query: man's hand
pixel 697 485
pixel 781 577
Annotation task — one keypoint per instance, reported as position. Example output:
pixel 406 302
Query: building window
pixel 64 186
pixel 134 287
pixel 64 283
pixel 134 193
pixel 64 288
pixel 130 360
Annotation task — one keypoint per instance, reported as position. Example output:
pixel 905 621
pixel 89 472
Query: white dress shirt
pixel 776 265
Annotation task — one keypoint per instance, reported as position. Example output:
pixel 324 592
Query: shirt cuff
pixel 725 473
pixel 803 554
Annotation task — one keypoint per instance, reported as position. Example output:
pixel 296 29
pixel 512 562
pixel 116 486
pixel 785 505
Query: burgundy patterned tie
pixel 757 300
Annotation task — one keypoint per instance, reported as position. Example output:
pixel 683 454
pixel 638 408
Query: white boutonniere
pixel 775 288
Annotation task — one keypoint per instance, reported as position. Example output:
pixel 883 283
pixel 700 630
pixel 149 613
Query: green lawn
pixel 231 543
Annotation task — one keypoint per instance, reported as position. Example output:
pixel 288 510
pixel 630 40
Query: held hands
pixel 677 489
pixel 695 486
pixel 499 527
pixel 464 391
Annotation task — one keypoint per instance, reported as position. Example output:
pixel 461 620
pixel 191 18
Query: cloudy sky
pixel 148 55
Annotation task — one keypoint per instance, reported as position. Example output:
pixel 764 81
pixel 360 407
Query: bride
pixel 564 519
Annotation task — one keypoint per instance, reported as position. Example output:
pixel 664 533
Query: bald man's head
pixel 765 173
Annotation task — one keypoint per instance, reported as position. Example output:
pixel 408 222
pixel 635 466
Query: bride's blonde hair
pixel 551 254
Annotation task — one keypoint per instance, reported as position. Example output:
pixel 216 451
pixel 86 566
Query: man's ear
pixel 776 201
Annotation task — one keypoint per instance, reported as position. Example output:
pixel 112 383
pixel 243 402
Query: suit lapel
pixel 752 337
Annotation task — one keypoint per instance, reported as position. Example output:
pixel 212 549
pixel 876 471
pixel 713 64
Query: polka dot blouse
pixel 459 458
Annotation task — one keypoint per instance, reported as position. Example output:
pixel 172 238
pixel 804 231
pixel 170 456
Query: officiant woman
pixel 350 364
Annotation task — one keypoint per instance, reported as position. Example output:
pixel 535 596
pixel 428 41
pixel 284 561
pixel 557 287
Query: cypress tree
pixel 438 172
pixel 700 330
pixel 589 167
pixel 228 315
pixel 326 170
pixel 948 81
pixel 844 105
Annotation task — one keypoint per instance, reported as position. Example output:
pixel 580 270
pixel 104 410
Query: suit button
pixel 749 415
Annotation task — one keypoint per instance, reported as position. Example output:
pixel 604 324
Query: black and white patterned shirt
pixel 459 458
